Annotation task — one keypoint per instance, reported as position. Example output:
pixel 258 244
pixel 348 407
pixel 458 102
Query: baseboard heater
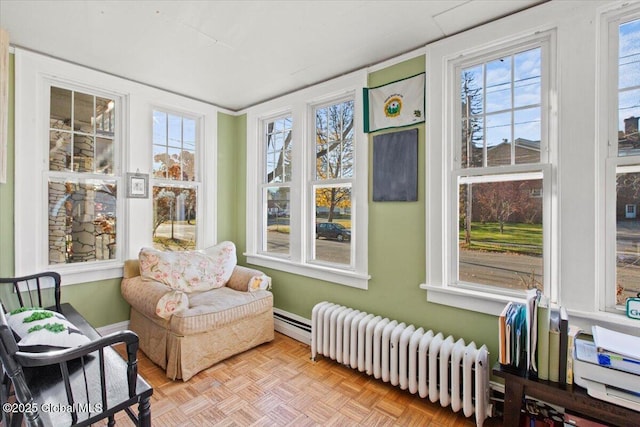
pixel 278 315
pixel 424 362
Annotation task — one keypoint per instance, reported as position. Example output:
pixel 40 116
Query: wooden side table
pixel 568 396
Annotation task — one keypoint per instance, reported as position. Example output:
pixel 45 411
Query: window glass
pixel 333 224
pixel 501 111
pixel 174 218
pixel 81 220
pixel 334 141
pixel 175 141
pixel 278 150
pixel 627 254
pixel 500 233
pixel 276 190
pixel 500 226
pixel 278 233
pixel 628 88
pixel 88 146
pixel 174 146
pixel 82 211
pixel 334 149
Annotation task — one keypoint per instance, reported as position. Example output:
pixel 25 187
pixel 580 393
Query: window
pixel 331 186
pixel 306 211
pixel 82 190
pixel 497 167
pixel 175 190
pixel 489 172
pixel 623 172
pixel 276 188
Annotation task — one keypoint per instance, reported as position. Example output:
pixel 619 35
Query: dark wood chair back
pixel 35 290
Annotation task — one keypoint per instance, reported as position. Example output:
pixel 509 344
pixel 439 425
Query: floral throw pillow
pixel 172 302
pixel 189 271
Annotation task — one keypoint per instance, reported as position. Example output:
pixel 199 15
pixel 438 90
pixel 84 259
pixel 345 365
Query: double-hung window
pixel 175 183
pixel 81 185
pixel 496 218
pixel 622 160
pixel 307 183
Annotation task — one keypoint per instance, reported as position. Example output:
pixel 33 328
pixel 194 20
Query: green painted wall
pixel 6 190
pixel 396 244
pixel 241 184
pixel 227 180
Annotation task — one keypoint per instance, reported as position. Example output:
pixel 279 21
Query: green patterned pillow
pixel 43 330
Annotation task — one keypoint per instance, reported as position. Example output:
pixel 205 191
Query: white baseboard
pixel 114 327
pixel 292 325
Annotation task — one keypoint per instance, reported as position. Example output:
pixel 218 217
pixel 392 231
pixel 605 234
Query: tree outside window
pixel 175 188
pixel 334 158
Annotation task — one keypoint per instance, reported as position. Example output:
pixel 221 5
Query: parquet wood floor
pixel 277 384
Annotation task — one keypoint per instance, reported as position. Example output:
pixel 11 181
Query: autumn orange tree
pixel 176 168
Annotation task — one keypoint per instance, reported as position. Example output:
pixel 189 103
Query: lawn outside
pixel 519 238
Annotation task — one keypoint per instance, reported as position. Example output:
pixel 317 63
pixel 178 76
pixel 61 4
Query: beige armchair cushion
pixel 217 308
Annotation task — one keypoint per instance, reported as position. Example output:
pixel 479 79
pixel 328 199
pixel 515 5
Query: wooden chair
pixel 68 387
pixel 36 290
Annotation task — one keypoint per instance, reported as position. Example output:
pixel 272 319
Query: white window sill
pixel 493 304
pixel 72 274
pixel 614 321
pixel 468 299
pixel 334 275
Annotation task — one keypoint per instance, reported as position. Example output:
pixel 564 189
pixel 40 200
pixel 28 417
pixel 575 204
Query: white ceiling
pixel 235 54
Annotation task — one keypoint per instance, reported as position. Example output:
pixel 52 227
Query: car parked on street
pixel 332 230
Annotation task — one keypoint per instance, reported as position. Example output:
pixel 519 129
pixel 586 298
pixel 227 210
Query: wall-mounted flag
pixel 396 104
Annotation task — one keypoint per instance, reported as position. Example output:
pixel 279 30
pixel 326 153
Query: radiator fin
pixel 426 363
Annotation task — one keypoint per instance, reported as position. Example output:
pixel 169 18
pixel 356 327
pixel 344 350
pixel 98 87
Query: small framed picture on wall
pixel 137 185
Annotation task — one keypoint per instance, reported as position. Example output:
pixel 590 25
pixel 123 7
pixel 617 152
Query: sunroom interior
pixel 544 94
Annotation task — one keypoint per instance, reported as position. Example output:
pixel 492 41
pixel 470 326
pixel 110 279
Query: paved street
pixel 326 250
pixel 181 230
pixel 500 269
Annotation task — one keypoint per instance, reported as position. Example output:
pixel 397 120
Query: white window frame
pixel 79 177
pixel 313 183
pixel 136 102
pixel 445 60
pixel 610 162
pixel 199 166
pixel 262 226
pixel 300 105
pixel 36 76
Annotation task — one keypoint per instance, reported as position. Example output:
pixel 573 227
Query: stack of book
pixel 543 338
pixel 557 337
pixel 512 334
pixel 517 337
